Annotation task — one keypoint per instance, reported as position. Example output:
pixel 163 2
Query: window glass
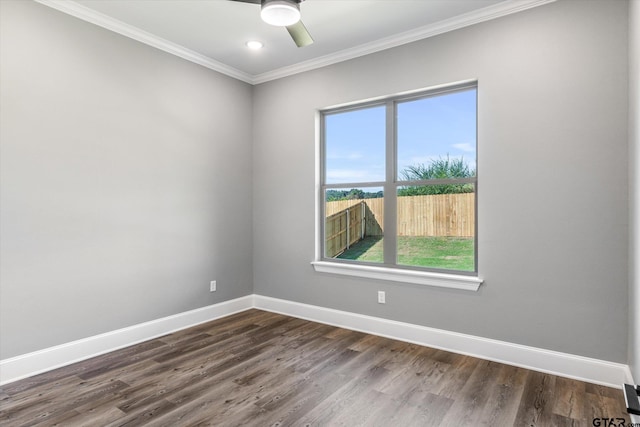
pixel 428 208
pixel 437 137
pixel 436 229
pixel 354 224
pixel 355 146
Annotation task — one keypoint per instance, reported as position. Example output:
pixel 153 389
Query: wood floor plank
pixel 55 419
pixel 473 397
pixel 97 413
pixel 144 415
pixel 362 411
pixel 536 403
pixel 257 368
pixel 428 409
pixel 187 388
pixel 56 402
pixel 119 358
pixel 38 397
pixel 306 397
pixel 348 397
pixel 504 397
pixel 414 374
pixel 456 376
pixel 569 399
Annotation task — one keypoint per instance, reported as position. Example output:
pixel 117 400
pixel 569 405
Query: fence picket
pixel 344 228
pixel 451 215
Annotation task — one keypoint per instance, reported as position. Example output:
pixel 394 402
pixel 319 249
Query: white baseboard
pixel 29 364
pixel 552 362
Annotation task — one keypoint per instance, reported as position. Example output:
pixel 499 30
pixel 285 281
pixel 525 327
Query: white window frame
pixel 385 271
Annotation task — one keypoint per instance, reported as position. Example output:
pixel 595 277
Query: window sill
pixel 469 283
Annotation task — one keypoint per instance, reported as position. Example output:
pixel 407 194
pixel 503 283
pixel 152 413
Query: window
pixel 397 188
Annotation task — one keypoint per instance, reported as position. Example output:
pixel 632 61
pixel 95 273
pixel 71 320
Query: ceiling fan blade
pixel 299 34
pixel 248 1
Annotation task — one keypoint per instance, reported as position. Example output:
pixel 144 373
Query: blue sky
pixel 428 128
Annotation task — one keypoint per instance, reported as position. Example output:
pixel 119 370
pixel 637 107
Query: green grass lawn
pixel 450 253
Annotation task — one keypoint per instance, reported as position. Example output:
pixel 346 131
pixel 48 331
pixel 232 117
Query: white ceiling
pixel 213 33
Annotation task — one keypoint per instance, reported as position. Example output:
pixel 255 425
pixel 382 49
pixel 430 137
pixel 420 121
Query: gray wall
pixel 126 181
pixel 634 190
pixel 125 186
pixel 553 182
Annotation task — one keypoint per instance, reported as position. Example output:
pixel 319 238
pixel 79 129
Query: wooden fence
pixel 344 228
pixel 450 215
pixel 442 215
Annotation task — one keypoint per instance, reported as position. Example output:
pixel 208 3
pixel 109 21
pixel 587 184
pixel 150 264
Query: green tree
pixel 353 194
pixel 441 168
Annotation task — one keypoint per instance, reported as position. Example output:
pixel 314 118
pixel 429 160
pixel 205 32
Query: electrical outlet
pixel 212 286
pixel 382 299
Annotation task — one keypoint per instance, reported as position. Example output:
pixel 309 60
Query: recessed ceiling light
pixel 254 44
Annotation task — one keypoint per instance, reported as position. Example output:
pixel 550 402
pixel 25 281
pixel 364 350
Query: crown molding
pixel 481 15
pixel 488 13
pixel 89 15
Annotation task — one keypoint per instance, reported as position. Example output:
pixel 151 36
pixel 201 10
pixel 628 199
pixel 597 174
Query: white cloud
pixel 425 160
pixel 335 176
pixel 466 147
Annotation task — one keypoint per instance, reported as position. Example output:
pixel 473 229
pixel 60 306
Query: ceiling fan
pixel 284 13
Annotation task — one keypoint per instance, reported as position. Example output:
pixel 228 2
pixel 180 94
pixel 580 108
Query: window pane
pixel 355 146
pixel 437 230
pixel 353 224
pixel 437 137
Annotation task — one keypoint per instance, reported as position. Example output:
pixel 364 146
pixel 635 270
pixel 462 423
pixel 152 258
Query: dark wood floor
pixel 262 369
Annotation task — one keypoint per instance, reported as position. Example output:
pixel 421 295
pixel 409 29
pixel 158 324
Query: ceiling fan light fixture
pixel 280 13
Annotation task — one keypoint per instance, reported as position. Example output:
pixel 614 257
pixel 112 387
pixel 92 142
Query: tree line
pixel 353 194
pixel 441 168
